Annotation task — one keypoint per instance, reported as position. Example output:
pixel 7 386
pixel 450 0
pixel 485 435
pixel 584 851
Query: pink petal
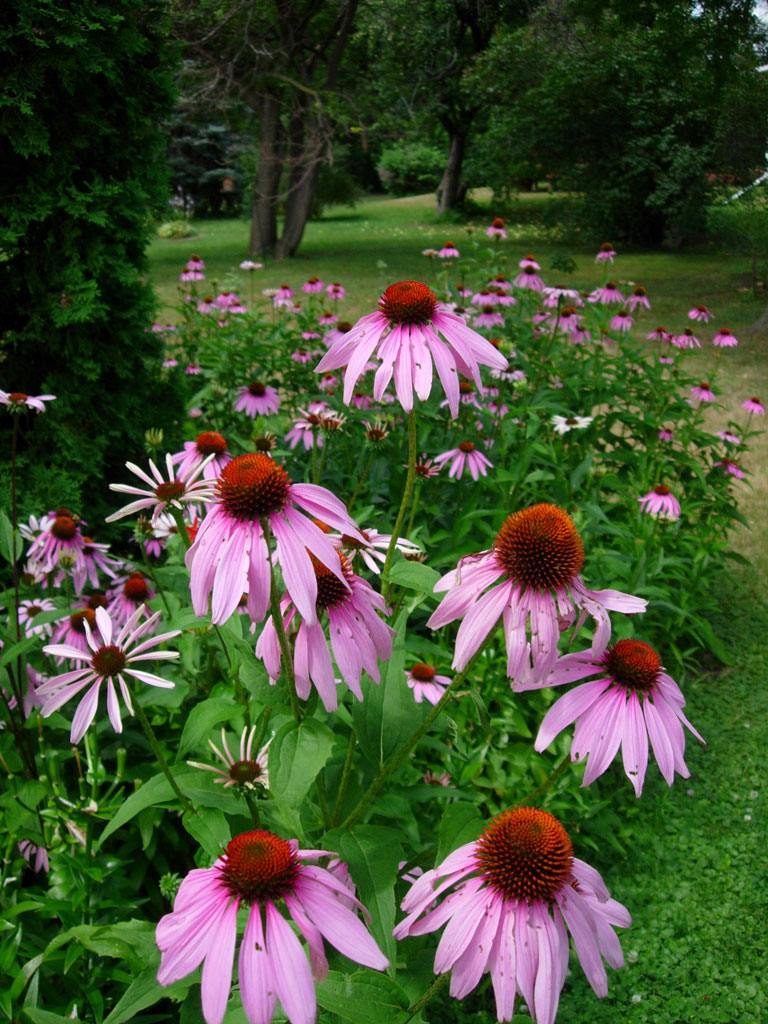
pixel 86 711
pixel 340 926
pixel 634 747
pixel 217 969
pixel 257 989
pixel 469 968
pixel 290 970
pixel 567 709
pixel 503 964
pixel 575 910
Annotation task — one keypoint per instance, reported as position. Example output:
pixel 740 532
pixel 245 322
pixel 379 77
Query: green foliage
pixel 741 228
pixel 409 169
pixel 83 92
pixel 204 163
pixel 635 113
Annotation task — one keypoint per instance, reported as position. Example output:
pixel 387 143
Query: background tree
pixel 281 61
pixel 641 108
pixel 83 91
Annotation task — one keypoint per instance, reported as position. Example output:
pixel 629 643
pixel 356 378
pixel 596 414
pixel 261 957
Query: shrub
pixel 411 169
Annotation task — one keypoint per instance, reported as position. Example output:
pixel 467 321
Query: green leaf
pixel 210 828
pixel 365 997
pixel 414 575
pixel 201 720
pixel 156 790
pixel 296 755
pixel 10 546
pixel 144 991
pixel 372 854
pixel 38 1016
pixel 388 714
pixel 581 471
pixel 255 679
pixel 461 823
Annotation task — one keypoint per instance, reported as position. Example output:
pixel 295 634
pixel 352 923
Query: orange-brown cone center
pixel 257 389
pixel 525 854
pixel 210 443
pixel 408 302
pixel 540 548
pixel 330 590
pixel 259 866
pixel 252 486
pixel 108 661
pixel 64 528
pixel 661 489
pixel 135 588
pixel 77 620
pixel 633 664
pixel 423 673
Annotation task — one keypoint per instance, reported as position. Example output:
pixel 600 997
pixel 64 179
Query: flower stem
pixel 252 808
pixel 178 516
pixel 322 800
pixel 439 983
pixel 344 779
pixel 406 501
pixel 547 784
pixel 394 761
pixel 150 734
pixel 361 480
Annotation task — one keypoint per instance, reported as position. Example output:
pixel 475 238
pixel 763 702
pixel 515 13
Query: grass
pixel 379 241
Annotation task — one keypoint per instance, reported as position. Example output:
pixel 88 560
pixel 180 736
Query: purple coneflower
pixel 327 319
pixel 622 321
pixel 608 294
pixel 448 252
pixel 686 339
pixel 230 557
pixel 529 278
pixel 28 610
pixel 193 370
pixel 638 299
pixel 731 468
pixel 312 286
pixel 753 406
pixel 358 636
pixel 176 491
pixel 553 296
pixel 257 399
pixel 702 392
pixel 425 683
pixel 335 291
pixel 729 438
pixel 405 332
pixel 245 770
pixel 94 559
pixel 306 429
pixel 36 856
pixel 374 546
pixel 564 424
pixel 190 273
pixel 496 229
pixel 111 658
pixel 128 595
pixel 250 265
pixel 533 573
pixel 700 313
pixel 209 449
pixel 659 334
pixel 633 699
pixel 724 339
pixel 488 317
pixel 513 896
pixel 660 502
pixel 466 455
pixel 60 535
pixel 666 435
pixel 606 253
pixel 257 871
pixel 17 400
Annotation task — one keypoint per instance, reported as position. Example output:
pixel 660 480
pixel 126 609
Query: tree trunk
pixel 305 151
pixel 450 191
pixel 267 185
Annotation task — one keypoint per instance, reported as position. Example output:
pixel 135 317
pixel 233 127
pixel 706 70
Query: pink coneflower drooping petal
pixel 529 278
pixel 29 610
pixel 752 405
pixel 335 291
pixel 177 490
pixel 530 578
pixel 632 700
pixel 410 334
pixel 725 339
pixel 113 655
pixel 209 443
pixel 686 339
pixel 312 286
pixel 259 870
pixel 448 252
pixel 257 399
pixel 358 637
pixel 731 468
pixel 127 595
pixel 425 683
pixel 660 502
pixel 465 456
pixel 703 392
pixel 638 299
pixel 622 321
pixel 229 556
pixel 508 901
